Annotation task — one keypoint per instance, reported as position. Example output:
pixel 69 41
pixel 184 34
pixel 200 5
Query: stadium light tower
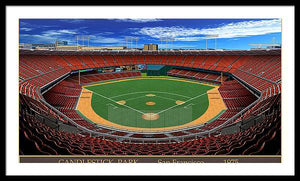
pixel 161 40
pixel 167 39
pixel 136 40
pixel 209 37
pixel 171 39
pixel 127 38
pixel 259 46
pixel 83 38
pixel 273 44
pixel 131 39
pixel 274 40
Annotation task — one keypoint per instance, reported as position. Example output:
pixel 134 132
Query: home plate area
pixel 151 100
pixel 150 116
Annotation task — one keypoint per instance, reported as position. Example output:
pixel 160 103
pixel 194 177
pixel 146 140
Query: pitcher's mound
pixel 122 102
pixel 180 102
pixel 150 103
pixel 150 116
pixel 150 95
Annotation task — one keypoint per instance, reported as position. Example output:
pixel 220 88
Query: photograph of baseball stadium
pixel 78 97
pixel 150 90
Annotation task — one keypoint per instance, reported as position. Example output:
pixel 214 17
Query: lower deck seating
pixel 209 77
pixel 65 94
pixel 95 77
pixel 236 98
pixel 37 138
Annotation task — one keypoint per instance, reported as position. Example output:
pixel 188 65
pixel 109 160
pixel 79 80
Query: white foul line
pixel 114 107
pixel 149 92
pixel 119 104
pixel 166 98
pixel 181 104
pixel 188 105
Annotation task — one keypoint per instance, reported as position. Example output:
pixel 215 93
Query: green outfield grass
pixel 135 91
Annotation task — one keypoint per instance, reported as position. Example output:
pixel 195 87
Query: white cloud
pixel 50 36
pixel 22 23
pixel 102 39
pixel 28 38
pixel 36 38
pixel 75 21
pixel 174 31
pixel 26 29
pixel 246 28
pixel 137 20
pixel 231 30
pixel 34 26
pixel 192 38
pixel 59 32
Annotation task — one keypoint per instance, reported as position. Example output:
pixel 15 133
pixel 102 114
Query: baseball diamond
pixel 177 103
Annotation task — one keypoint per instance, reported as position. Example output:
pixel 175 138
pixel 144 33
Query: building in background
pixel 45 47
pixel 32 45
pixel 21 45
pixel 67 47
pixel 61 43
pixel 274 46
pixel 88 48
pixel 38 46
pixel 85 48
pixel 150 46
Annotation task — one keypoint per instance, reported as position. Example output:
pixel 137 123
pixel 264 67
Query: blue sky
pixel 187 33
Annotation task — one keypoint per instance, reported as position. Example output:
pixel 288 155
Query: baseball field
pixel 150 104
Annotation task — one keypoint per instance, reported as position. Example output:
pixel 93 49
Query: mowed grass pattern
pixel 134 92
